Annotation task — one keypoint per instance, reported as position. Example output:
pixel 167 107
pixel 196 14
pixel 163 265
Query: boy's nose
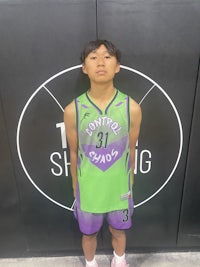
pixel 100 61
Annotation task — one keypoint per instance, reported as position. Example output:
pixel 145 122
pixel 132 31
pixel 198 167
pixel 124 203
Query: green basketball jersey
pixel 104 169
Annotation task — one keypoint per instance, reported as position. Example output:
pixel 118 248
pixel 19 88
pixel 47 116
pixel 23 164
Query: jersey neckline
pixel 105 110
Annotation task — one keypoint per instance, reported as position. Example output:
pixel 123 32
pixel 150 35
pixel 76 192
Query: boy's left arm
pixel 135 122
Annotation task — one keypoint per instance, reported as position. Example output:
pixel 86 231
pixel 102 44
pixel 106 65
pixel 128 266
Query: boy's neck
pixel 102 91
pixel 102 95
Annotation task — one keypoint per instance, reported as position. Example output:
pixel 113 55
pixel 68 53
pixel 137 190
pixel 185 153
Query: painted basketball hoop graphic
pixel 144 99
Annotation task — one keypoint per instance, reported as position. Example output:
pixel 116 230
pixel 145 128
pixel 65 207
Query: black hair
pixel 93 45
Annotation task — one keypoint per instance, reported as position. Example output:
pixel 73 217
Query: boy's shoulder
pixel 81 98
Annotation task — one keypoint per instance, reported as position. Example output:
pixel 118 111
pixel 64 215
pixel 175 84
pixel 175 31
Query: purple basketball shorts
pixel 90 223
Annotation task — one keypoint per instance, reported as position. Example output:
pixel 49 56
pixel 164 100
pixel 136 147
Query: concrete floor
pixel 180 259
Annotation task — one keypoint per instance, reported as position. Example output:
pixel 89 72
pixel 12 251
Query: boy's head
pixel 93 45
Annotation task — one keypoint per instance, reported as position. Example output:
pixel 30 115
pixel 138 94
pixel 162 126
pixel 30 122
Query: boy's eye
pixel 95 57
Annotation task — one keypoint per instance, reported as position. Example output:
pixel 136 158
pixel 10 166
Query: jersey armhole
pixel 76 113
pixel 128 113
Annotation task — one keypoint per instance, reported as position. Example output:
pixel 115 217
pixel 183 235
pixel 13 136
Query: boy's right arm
pixel 71 133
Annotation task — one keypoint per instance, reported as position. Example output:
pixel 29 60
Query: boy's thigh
pixel 89 223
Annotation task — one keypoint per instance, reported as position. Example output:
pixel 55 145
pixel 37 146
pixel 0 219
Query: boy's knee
pixel 89 237
pixel 116 233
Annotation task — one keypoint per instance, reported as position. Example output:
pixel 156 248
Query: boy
pixel 102 128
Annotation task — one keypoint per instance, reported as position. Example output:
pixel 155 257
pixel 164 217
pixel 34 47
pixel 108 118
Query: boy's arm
pixel 71 133
pixel 135 121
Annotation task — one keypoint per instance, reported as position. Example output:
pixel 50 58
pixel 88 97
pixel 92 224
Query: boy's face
pixel 100 66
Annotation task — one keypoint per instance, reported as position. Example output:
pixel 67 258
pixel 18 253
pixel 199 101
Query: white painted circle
pixel 43 86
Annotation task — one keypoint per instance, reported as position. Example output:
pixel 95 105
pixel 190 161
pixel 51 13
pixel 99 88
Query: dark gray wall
pixel 40 41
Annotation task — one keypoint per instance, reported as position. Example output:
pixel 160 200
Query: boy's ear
pixel 117 68
pixel 84 68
